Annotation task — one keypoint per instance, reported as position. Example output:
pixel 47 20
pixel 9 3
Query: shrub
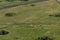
pixel 9 0
pixel 16 38
pixel 0 1
pixel 51 15
pixel 57 15
pixel 44 38
pixel 3 32
pixel 23 0
pixel 32 5
pixel 38 38
pixel 9 14
pixel 43 0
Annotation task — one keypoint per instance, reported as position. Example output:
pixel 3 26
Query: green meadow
pixel 31 22
pixel 4 3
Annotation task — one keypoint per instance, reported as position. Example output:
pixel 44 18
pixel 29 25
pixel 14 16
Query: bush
pixel 0 1
pixel 23 0
pixel 9 0
pixel 50 15
pixel 44 38
pixel 9 14
pixel 3 32
pixel 57 15
pixel 38 38
pixel 32 5
pixel 43 0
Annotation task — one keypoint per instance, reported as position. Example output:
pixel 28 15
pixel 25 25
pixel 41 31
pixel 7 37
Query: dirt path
pixel 25 3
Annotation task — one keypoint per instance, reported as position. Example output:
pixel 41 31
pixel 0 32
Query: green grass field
pixel 44 25
pixel 4 3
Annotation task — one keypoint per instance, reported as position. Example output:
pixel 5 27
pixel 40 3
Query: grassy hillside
pixel 31 22
pixel 4 3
